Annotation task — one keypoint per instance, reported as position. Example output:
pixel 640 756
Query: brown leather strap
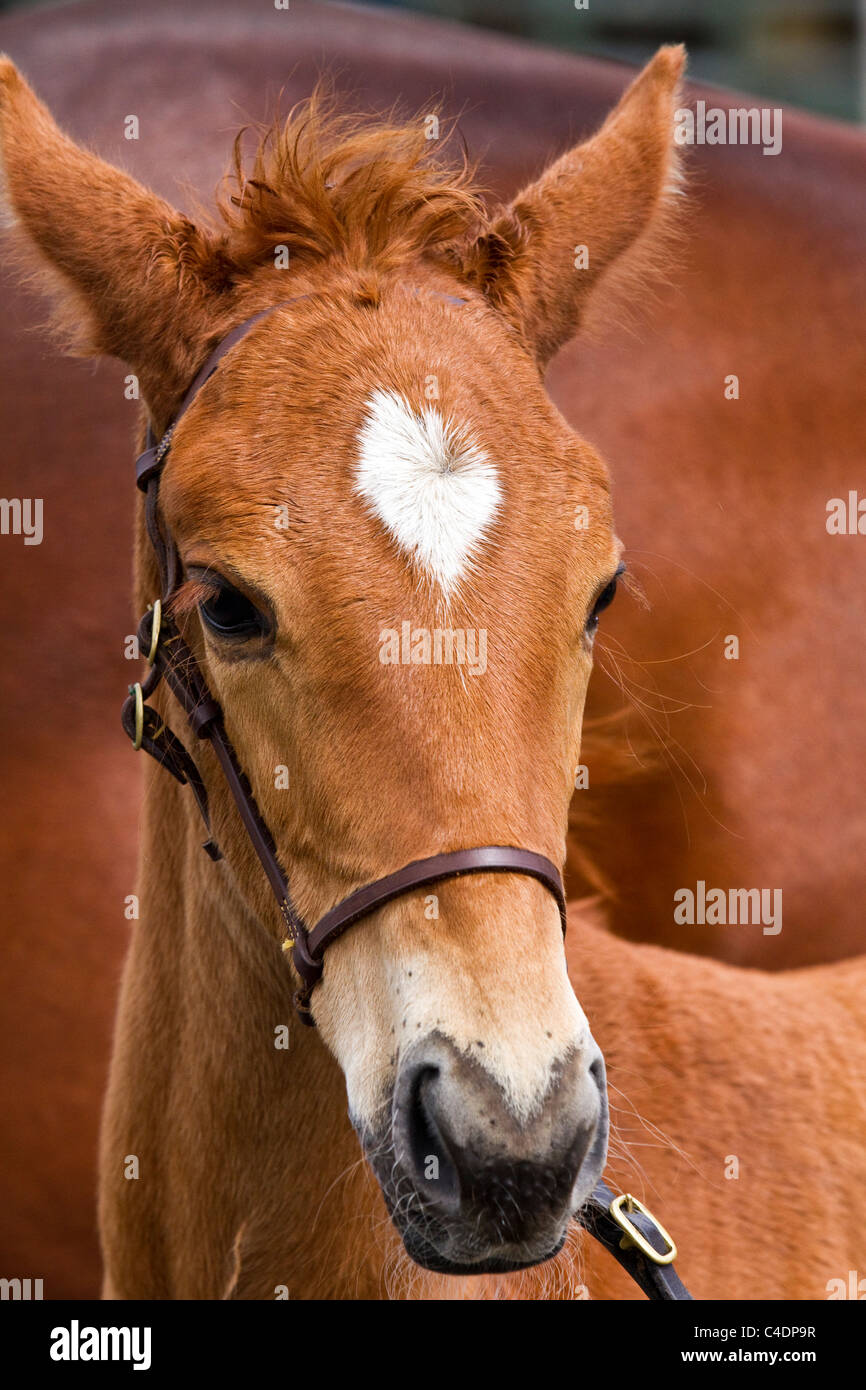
pixel 420 874
pixel 165 747
pixel 660 1283
pixel 176 662
pixel 151 461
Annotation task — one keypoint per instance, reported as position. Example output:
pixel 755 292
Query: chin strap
pixel 639 1242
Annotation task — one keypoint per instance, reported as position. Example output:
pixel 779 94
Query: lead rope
pixel 622 1224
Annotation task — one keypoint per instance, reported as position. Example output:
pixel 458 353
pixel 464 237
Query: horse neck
pixel 240 1138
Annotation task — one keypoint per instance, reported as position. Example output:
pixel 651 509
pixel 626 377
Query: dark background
pixel 806 52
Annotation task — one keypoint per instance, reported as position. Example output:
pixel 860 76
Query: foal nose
pixel 472 1158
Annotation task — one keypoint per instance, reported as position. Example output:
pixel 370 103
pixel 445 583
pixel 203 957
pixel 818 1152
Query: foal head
pixel 395 555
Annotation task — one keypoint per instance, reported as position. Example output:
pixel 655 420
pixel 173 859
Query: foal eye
pixel 604 600
pixel 230 614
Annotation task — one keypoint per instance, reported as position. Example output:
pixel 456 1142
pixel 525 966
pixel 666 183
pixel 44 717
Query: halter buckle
pixel 626 1203
pixel 155 627
pixel 138 695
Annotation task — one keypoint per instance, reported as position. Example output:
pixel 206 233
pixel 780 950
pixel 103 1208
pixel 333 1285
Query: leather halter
pixel 637 1241
pixel 172 659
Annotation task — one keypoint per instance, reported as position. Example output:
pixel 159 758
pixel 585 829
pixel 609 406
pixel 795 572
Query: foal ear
pixel 542 256
pixel 134 275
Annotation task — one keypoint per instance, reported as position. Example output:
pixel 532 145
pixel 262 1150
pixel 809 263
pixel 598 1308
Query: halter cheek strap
pixel 635 1239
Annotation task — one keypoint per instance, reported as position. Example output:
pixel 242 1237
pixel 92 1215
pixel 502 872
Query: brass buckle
pixel 155 627
pixel 635 1237
pixel 136 692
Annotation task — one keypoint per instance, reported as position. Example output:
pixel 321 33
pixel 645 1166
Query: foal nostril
pixel 598 1073
pixel 468 1156
pixel 426 1152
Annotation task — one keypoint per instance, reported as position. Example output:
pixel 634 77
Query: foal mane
pixel 373 191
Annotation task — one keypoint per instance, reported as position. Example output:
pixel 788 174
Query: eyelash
pixel 604 600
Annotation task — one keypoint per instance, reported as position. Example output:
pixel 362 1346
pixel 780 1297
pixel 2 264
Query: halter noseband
pixel 171 658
